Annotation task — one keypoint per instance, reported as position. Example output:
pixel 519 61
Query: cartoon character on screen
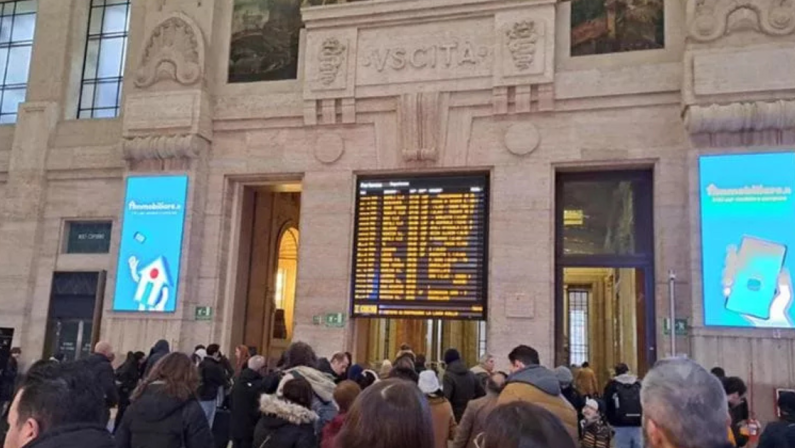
pixel 746 272
pixel 153 284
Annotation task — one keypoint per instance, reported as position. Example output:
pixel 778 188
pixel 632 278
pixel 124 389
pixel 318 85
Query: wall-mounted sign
pixel 88 237
pixel 203 313
pixel 151 244
pixel 747 222
pixel 680 326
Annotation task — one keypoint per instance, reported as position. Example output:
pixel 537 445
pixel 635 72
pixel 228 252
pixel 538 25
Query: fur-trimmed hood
pixel 291 413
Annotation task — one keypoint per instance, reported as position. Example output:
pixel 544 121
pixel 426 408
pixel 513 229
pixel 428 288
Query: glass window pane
pixel 92 54
pixel 87 96
pixel 18 65
pixel 104 113
pixel 5 29
pixel 123 56
pixel 26 6
pixel 115 19
pixel 598 217
pixel 3 61
pixel 110 58
pixel 118 95
pixel 23 27
pixel 95 24
pixel 11 100
pixel 106 94
pixel 7 119
pixel 84 114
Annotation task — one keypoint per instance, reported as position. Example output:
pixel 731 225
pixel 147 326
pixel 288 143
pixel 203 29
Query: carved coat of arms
pixel 331 57
pixel 522 38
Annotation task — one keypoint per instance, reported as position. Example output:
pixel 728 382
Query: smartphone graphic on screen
pixel 756 282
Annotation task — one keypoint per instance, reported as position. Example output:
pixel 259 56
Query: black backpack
pixel 625 402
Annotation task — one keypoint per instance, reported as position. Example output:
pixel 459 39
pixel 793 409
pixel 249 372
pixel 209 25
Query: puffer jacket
pixel 81 435
pixel 460 387
pixel 780 434
pixel 284 425
pixel 539 386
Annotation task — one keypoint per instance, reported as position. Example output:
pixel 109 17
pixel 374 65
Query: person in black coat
pixel 244 402
pixel 8 377
pixel 288 421
pixel 781 434
pixel 460 385
pixel 164 412
pixel 160 350
pixel 213 379
pixel 99 363
pixel 127 376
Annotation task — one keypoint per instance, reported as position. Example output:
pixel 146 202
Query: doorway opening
pixel 604 261
pixel 268 268
pixel 74 317
pixel 381 339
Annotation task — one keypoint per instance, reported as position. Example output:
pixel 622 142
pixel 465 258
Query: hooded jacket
pixel 612 413
pixel 284 425
pixel 157 353
pixel 538 385
pixel 780 434
pixel 323 386
pixel 81 435
pixel 245 404
pixel 159 420
pixel 460 387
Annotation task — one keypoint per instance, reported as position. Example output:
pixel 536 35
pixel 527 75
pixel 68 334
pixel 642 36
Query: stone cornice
pixel 163 147
pixel 740 117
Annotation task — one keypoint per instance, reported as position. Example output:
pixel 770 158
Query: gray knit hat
pixel 564 376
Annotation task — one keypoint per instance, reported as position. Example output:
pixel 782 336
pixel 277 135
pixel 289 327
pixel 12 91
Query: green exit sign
pixel 334 320
pixel 680 327
pixel 204 313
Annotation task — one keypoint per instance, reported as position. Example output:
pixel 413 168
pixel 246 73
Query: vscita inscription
pixel 446 55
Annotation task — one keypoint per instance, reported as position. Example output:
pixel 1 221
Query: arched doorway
pixel 284 290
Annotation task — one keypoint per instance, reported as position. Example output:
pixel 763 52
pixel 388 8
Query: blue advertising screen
pixel 748 239
pixel 147 278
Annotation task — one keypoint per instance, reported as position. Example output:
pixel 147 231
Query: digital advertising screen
pixel 747 239
pixel 147 278
pixel 420 247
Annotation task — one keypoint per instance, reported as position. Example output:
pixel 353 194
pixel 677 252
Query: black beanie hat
pixel 451 356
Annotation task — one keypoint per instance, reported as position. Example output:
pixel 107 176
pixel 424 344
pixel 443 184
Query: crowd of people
pixel 205 400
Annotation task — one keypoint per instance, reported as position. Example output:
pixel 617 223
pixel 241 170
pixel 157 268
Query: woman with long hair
pixel 388 414
pixel 521 424
pixel 165 412
pixel 242 356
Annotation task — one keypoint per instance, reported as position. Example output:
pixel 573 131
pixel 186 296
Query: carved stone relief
pixel 713 19
pixel 741 117
pixel 523 47
pixel 522 139
pixel 329 147
pixel 521 43
pixel 174 50
pixel 422 118
pixel 331 58
pixel 162 147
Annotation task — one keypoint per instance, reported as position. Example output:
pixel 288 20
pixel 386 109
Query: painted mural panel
pixel 611 26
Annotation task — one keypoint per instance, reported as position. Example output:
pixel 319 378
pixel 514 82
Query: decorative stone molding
pixel 329 147
pixel 741 117
pixel 521 139
pixel 422 120
pixel 163 147
pixel 174 50
pixel 712 19
pixel 331 58
pixel 521 43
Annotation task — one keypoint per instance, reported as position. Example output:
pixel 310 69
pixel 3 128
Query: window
pixel 88 237
pixel 17 24
pixel 481 338
pixel 578 326
pixel 103 68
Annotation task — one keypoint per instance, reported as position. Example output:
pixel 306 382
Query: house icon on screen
pixel 153 285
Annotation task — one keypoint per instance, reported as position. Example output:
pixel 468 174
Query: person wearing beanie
pixel 567 389
pixel 444 422
pixel 595 431
pixel 781 434
pixel 460 385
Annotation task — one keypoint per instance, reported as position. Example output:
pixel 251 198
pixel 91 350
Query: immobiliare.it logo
pixel 158 206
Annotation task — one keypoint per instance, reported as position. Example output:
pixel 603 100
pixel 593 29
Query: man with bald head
pixel 99 364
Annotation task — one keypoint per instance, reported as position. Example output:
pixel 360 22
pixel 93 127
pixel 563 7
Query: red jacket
pixel 331 430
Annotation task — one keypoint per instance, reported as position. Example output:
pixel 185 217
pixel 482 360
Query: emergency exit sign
pixel 680 327
pixel 203 313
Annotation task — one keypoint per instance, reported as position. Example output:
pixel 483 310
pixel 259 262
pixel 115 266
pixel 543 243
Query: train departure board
pixel 420 247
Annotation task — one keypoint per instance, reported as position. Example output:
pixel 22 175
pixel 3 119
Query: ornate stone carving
pixel 422 118
pixel 329 147
pixel 741 117
pixel 713 19
pixel 162 147
pixel 522 138
pixel 521 42
pixel 330 59
pixel 174 50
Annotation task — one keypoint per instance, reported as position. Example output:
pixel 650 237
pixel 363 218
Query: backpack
pixel 625 402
